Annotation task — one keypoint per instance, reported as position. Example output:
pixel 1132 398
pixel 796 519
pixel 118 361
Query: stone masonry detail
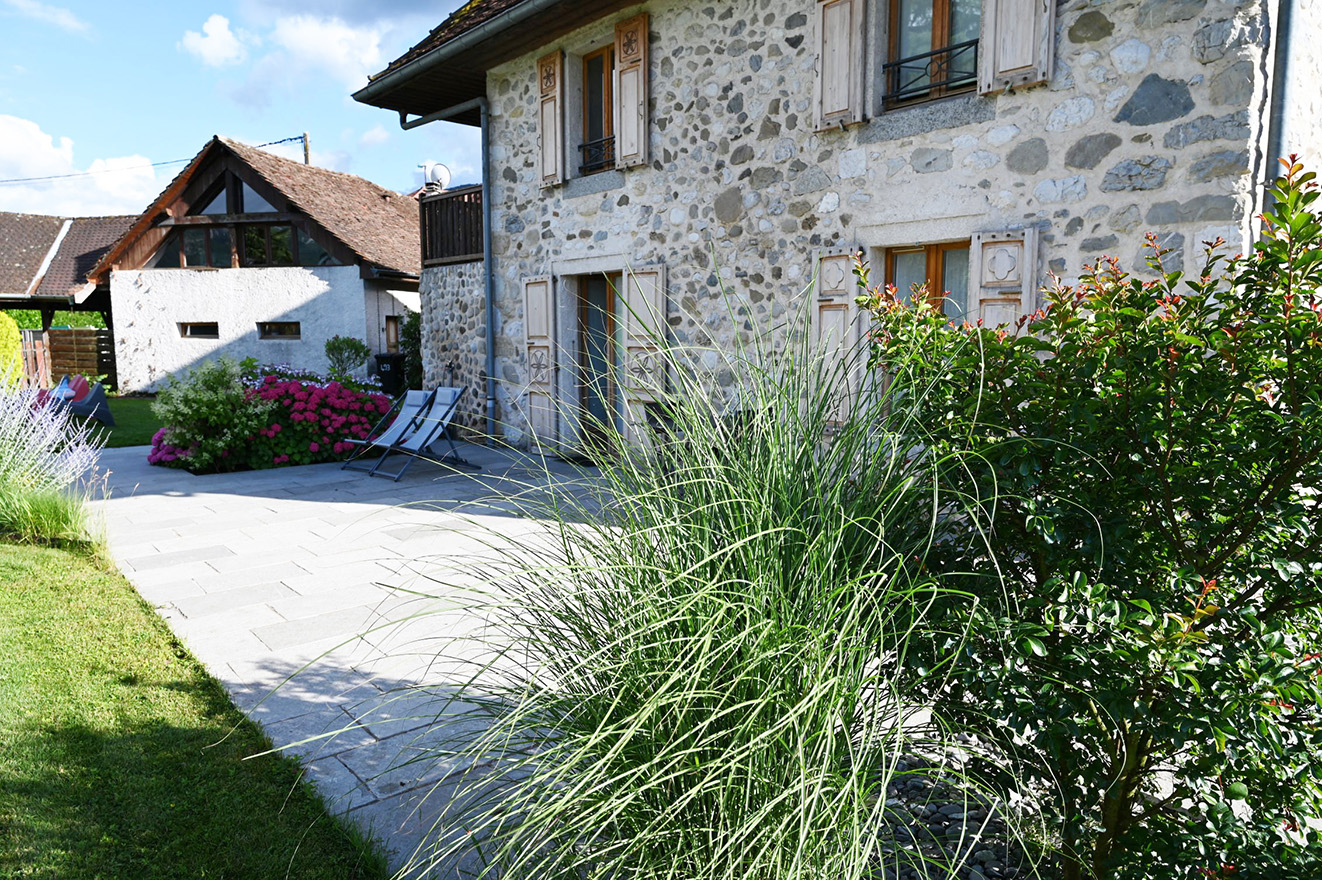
pixel 1153 120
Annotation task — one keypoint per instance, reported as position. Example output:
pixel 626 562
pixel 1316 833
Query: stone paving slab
pixel 298 589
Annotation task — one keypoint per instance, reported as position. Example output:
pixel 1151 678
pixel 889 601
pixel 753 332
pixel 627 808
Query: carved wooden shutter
pixel 539 336
pixel 840 62
pixel 631 92
pixel 1002 276
pixel 1017 44
pixel 643 371
pixel 836 323
pixel 551 117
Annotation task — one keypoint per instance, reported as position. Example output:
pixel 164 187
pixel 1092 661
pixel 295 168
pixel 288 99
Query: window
pixel 943 268
pixel 253 203
pixel 311 253
pixel 201 246
pixel 933 47
pixel 268 246
pixel 597 152
pixel 205 330
pixel 616 83
pixel 392 334
pixel 279 330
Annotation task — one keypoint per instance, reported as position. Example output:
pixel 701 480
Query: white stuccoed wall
pixel 150 304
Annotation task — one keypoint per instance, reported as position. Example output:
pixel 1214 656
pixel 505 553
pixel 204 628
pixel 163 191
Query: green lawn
pixel 121 758
pixel 135 423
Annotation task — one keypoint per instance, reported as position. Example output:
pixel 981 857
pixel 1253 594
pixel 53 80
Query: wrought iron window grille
pixel 598 155
pixel 935 72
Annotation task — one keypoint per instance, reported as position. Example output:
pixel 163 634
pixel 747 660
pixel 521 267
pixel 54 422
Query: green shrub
pixel 1143 585
pixel 699 678
pixel 11 351
pixel 346 354
pixel 208 414
pixel 410 345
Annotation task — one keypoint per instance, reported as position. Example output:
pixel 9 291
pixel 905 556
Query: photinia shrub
pixel 1140 624
pixel 287 422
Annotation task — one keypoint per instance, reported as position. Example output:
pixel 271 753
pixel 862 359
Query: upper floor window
pixel 597 152
pixel 614 121
pixel 933 47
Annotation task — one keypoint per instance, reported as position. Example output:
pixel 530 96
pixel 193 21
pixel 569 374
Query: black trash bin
pixel 391 369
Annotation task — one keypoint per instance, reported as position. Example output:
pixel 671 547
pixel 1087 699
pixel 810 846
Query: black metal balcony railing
pixel 452 226
pixel 936 72
pixel 597 155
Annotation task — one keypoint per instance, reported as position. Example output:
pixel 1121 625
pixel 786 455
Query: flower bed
pixel 291 422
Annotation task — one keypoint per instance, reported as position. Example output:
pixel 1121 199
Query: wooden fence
pixel 85 351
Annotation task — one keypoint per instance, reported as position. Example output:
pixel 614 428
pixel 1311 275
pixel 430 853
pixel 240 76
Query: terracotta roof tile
pixel 86 242
pixel 465 18
pixel 25 239
pixel 379 225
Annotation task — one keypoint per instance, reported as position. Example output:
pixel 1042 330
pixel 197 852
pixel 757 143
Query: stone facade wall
pixel 149 305
pixel 1154 119
pixel 454 336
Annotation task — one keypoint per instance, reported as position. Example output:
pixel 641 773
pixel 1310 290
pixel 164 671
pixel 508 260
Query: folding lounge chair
pixel 388 431
pixel 428 428
pixel 93 405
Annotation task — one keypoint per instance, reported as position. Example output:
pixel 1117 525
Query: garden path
pixel 298 589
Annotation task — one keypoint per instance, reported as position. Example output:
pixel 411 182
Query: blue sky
pixel 91 86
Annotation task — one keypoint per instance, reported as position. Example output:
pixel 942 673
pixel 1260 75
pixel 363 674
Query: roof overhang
pixel 455 72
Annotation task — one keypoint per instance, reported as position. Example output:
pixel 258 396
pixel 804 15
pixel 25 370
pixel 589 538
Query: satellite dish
pixel 436 174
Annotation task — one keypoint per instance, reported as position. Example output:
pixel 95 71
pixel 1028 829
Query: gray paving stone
pixel 345 623
pixel 170 559
pixel 216 582
pixel 206 604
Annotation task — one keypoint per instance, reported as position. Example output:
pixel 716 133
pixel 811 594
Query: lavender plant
pixel 47 466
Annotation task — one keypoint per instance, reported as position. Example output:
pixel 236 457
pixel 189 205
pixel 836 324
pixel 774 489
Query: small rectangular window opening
pixel 202 330
pixel 279 330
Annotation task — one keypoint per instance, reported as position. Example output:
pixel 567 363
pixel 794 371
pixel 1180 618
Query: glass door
pixel 596 347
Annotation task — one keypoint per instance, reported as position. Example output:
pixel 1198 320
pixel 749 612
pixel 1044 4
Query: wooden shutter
pixel 551 117
pixel 1017 43
pixel 540 347
pixel 836 322
pixel 631 92
pixel 840 62
pixel 1002 276
pixel 643 371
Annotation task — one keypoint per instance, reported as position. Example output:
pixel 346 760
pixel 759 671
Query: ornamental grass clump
pixel 1141 584
pixel 47 469
pixel 698 659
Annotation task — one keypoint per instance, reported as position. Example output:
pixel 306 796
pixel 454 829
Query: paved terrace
pixel 280 573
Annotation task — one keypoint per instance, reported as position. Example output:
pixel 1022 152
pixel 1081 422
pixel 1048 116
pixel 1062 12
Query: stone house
pixel 247 254
pixel 667 156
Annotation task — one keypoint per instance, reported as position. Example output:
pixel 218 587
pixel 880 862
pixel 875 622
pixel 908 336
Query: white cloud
pixel 58 16
pixel 374 136
pixel 123 184
pixel 217 45
pixel 329 46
